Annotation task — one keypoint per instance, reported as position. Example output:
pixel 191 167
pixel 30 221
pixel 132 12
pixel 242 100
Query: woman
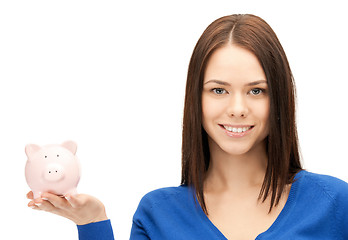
pixel 241 171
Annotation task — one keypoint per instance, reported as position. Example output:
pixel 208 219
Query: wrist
pixel 101 217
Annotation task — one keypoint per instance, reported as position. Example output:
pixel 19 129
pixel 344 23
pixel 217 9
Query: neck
pixel 236 173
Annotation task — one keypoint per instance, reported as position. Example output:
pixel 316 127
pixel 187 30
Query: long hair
pixel 254 34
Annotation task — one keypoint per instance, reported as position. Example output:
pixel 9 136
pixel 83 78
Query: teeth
pixel 237 130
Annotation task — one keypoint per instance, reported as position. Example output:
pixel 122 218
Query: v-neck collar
pixel 285 211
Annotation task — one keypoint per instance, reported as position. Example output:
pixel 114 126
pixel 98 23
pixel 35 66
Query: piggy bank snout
pixel 54 173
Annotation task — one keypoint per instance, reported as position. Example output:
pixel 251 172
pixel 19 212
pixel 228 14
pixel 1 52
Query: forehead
pixel 233 64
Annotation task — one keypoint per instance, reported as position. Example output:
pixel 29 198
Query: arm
pixel 342 203
pixel 142 220
pixel 138 232
pixel 84 210
pixel 94 231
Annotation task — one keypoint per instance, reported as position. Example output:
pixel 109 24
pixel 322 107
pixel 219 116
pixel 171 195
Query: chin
pixel 233 149
pixel 236 150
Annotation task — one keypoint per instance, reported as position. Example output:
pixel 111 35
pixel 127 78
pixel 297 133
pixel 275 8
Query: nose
pixel 237 106
pixel 54 173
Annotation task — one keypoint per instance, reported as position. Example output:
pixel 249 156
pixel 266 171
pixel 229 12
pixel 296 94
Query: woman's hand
pixel 81 208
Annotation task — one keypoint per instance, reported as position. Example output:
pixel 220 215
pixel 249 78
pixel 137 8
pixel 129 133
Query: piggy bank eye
pixel 57 155
pixel 45 156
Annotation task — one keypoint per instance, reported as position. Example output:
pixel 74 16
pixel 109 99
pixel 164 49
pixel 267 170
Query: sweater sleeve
pixel 138 233
pixel 142 220
pixel 96 231
pixel 342 201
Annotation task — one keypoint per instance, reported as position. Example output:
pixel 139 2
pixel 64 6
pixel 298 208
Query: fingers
pixel 46 206
pixel 48 202
pixel 32 205
pixel 35 204
pixel 55 201
pixel 75 201
pixel 30 195
pixel 79 208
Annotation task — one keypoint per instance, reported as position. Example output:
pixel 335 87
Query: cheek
pixel 205 114
pixel 262 112
pixel 205 108
pixel 261 109
pixel 210 109
pixel 264 115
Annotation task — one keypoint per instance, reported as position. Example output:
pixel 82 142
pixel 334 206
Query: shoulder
pixel 167 212
pixel 164 199
pixel 335 188
pixel 161 195
pixel 164 203
pixel 325 191
pixel 322 199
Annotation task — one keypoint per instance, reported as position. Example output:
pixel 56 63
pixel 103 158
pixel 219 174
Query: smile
pixel 236 130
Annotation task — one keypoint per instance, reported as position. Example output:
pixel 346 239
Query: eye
pixel 57 155
pixel 218 91
pixel 257 91
pixel 45 156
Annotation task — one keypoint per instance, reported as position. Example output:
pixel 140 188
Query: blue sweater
pixel 317 208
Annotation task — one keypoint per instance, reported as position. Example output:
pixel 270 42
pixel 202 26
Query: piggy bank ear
pixel 31 149
pixel 71 146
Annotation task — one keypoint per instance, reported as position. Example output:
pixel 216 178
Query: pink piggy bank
pixel 52 168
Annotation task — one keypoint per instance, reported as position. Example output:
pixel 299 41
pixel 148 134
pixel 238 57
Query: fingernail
pixel 32 207
pixel 68 198
pixel 44 198
pixel 38 204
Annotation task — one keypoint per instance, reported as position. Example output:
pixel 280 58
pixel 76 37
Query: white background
pixel 111 75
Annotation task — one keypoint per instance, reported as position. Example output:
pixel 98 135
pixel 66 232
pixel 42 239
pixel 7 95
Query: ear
pixel 71 146
pixel 30 149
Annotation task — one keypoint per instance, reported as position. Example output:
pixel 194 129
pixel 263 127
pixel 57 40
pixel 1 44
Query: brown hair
pixel 254 34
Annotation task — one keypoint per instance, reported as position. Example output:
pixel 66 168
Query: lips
pixel 237 131
pixel 236 128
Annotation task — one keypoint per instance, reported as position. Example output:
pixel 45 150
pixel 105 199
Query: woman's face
pixel 235 101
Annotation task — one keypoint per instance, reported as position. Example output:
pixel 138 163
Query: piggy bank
pixel 52 168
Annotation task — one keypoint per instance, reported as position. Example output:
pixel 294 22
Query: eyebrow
pixel 227 84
